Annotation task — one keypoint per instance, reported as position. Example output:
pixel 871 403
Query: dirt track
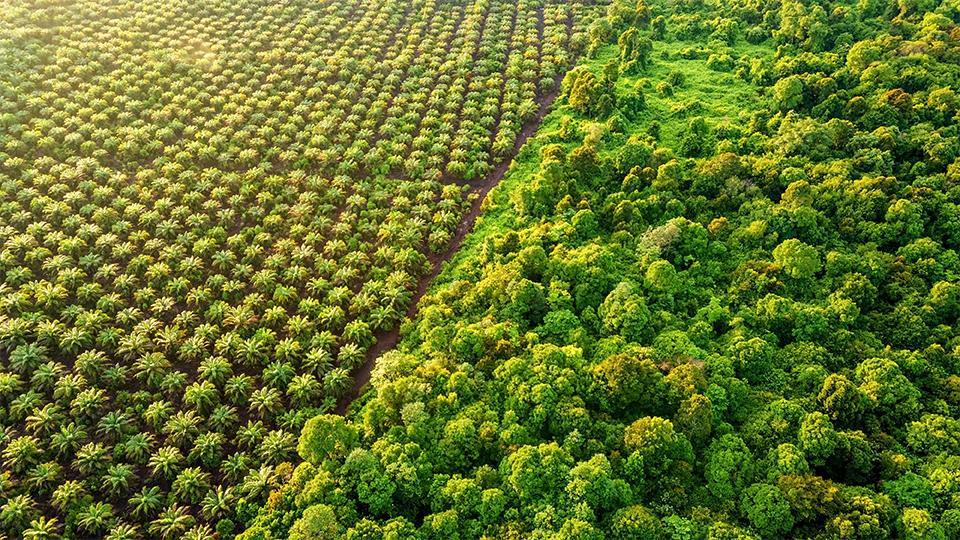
pixel 387 340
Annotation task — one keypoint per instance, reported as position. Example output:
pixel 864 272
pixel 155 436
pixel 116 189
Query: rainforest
pixel 479 269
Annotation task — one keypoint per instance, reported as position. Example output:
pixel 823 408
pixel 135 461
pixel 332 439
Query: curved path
pixel 387 339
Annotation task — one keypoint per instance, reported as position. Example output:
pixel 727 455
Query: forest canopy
pixel 715 295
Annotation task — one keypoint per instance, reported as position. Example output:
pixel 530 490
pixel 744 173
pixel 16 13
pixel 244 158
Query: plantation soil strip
pixel 387 339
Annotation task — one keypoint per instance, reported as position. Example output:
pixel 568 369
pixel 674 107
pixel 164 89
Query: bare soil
pixel 387 339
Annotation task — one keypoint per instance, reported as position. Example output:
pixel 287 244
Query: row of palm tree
pixel 207 214
pixel 357 120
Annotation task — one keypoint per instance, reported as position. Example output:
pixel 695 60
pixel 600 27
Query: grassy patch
pixel 720 97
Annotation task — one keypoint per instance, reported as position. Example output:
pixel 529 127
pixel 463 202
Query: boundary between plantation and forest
pixel 386 340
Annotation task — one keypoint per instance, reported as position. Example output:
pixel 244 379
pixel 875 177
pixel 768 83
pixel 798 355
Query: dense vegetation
pixel 716 297
pixel 207 212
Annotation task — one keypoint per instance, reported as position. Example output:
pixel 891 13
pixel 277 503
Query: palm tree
pixel 69 386
pixel 206 449
pixel 67 494
pixel 182 427
pixel 135 344
pixel 217 503
pixel 49 331
pixel 25 358
pixel 200 532
pixel 201 395
pixel 239 317
pixel 337 381
pixel 17 511
pixel 277 446
pixel 251 434
pixel 169 337
pixel 118 479
pixel 331 317
pixel 278 374
pixel 172 522
pixel 318 361
pixel 304 390
pixel 198 296
pixel 158 413
pixel 252 351
pixel 14 332
pixel 298 325
pixel 90 458
pixel 88 403
pixel 22 453
pixel 338 296
pixel 310 307
pixel 166 462
pixel 115 376
pixel 222 418
pixel 227 344
pixel 264 280
pixel 265 402
pixel 42 528
pixel 350 356
pixel 151 368
pixel 284 296
pixel 215 369
pixel 358 332
pixel 400 279
pixel 382 317
pixel 190 485
pixel 147 502
pixel 42 478
pixel 113 425
pixel 293 420
pixel 288 349
pixel 274 316
pixel 95 518
pixel 137 447
pixel 45 376
pixel 74 339
pixel 294 275
pixel 173 383
pixel 110 303
pixel 44 420
pixel 123 531
pixel 238 388
pixel 258 482
pixel 10 384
